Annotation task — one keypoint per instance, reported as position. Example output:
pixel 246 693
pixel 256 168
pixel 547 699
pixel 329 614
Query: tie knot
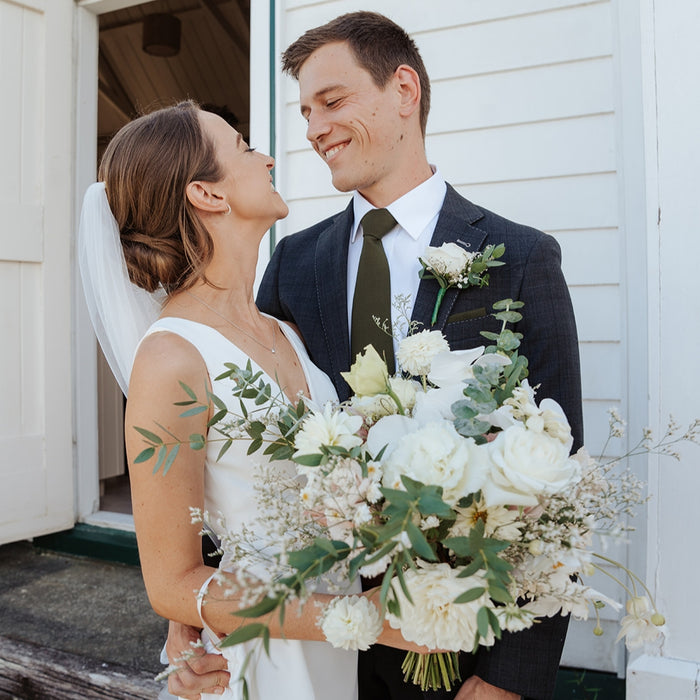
pixel 377 223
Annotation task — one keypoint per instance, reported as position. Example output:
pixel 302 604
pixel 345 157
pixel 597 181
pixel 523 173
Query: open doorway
pixel 151 55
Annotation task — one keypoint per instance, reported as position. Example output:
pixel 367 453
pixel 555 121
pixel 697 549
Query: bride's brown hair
pixel 146 169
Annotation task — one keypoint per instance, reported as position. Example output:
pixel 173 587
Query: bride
pixel 182 206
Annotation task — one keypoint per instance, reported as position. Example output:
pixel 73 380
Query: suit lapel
pixel 455 224
pixel 331 269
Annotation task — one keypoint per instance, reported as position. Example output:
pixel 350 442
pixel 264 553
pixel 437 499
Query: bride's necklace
pixel 272 349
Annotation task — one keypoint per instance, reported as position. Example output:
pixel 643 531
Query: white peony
pixel 436 454
pixel 331 428
pixel 525 464
pixel 434 619
pixel 449 260
pixel 351 623
pixel 416 352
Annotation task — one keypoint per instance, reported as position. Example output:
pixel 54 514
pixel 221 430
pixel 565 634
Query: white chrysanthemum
pixel 641 625
pixel 434 619
pixel 376 568
pixel 352 623
pixel 499 522
pixel 449 260
pixel 437 455
pixel 416 352
pixel 331 428
pixel 525 464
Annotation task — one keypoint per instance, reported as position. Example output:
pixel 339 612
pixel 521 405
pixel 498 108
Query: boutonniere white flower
pixel 453 266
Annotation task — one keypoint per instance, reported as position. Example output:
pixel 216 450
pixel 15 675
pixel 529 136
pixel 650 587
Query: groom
pixel 365 96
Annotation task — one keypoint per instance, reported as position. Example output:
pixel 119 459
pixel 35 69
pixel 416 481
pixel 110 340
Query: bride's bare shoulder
pixel 163 360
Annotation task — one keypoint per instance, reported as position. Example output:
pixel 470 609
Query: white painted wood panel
pixel 412 15
pixel 597 309
pixel 36 470
pixel 586 201
pixel 518 42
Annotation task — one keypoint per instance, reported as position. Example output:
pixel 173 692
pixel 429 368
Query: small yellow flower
pixel 368 376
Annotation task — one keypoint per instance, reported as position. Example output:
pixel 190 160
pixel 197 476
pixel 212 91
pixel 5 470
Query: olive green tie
pixel 373 289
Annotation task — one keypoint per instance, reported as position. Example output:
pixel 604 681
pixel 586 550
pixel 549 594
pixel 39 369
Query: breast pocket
pixel 463 328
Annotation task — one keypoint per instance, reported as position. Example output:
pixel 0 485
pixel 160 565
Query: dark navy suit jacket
pixel 305 283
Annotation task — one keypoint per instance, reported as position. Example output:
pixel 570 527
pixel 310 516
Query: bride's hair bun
pixel 146 169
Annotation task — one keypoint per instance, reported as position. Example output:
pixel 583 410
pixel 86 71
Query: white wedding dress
pixel 294 670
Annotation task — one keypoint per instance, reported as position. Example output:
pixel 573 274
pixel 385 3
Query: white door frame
pixel 84 350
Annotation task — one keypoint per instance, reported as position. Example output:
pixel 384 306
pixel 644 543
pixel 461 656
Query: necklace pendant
pixel 273 351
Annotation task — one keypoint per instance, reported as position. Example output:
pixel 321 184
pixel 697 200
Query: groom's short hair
pixel 379 45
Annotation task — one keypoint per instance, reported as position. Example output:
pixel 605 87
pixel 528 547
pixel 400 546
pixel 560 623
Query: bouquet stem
pixel 431 671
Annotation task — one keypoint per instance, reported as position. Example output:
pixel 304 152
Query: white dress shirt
pixel 416 214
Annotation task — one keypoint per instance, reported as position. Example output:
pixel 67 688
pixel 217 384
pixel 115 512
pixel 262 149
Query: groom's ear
pixel 203 196
pixel 407 85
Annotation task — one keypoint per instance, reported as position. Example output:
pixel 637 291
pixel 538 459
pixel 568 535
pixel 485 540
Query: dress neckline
pixel 289 334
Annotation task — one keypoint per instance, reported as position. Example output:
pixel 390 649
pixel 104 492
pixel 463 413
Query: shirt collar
pixel 413 211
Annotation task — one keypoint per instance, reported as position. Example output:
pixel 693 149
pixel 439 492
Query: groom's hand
pixel 201 672
pixel 476 689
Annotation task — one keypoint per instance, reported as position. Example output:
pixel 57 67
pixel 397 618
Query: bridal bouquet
pixel 450 482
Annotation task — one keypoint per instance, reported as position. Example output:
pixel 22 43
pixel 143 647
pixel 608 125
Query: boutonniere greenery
pixel 453 266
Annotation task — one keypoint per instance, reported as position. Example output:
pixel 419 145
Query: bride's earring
pixel 229 208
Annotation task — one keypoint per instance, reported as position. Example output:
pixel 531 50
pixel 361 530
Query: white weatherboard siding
pixel 36 466
pixel 524 122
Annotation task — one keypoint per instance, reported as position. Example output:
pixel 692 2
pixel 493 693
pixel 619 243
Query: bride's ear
pixel 202 196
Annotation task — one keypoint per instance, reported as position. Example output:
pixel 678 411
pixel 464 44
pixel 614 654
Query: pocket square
pixel 467 315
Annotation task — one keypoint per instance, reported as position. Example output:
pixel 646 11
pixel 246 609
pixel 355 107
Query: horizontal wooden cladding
pixel 601 375
pixel 546 38
pixel 531 151
pixel 551 204
pixel 22 233
pixel 598 313
pixel 545 149
pixel 596 422
pixel 543 93
pixel 412 16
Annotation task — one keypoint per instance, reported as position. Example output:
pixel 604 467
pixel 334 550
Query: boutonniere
pixel 453 266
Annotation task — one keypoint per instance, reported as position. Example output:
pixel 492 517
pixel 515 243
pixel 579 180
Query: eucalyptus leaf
pixel 151 437
pixel 243 634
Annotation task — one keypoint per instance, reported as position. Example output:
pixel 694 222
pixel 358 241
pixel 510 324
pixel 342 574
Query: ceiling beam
pixel 111 87
pixel 238 32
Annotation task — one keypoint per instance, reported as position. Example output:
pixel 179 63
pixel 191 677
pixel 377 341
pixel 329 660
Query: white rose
pixel 525 464
pixel 436 454
pixel 416 352
pixel 449 260
pixel 434 619
pixel 331 428
pixel 368 375
pixel 351 622
pixel 380 405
